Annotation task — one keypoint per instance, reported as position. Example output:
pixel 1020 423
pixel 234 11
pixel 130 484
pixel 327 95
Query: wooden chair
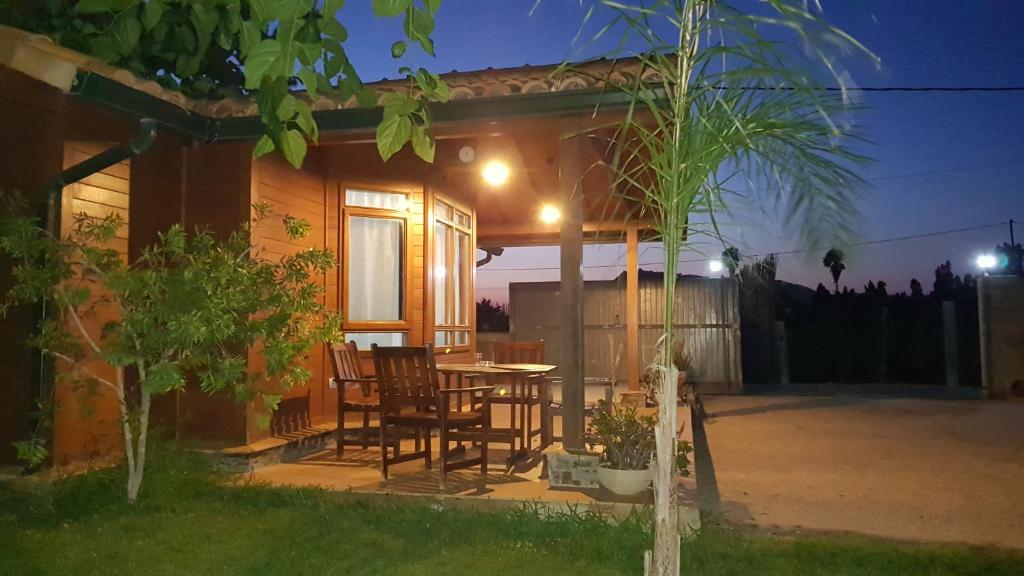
pixel 411 398
pixel 355 392
pixel 532 390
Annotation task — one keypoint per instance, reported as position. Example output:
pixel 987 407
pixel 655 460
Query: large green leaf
pixel 152 10
pixel 304 118
pixel 422 144
pixel 263 147
pixel 293 146
pixel 331 7
pixel 251 36
pixel 286 109
pixel 205 19
pixel 127 31
pixel 333 29
pixel 308 76
pixel 260 60
pixel 97 6
pixel 419 25
pixel 389 8
pixel 392 134
pixel 269 10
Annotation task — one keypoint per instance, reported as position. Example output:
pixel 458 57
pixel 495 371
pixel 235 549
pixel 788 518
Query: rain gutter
pixel 126 101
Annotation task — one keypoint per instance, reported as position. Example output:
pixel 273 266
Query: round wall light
pixel 496 173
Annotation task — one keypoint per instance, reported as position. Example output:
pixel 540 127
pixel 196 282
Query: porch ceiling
pixel 507 215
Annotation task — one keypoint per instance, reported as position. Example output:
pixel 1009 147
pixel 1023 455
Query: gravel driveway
pixel 931 470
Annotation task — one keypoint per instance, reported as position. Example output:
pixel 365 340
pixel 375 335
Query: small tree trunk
pixel 665 558
pixel 135 477
pixel 127 432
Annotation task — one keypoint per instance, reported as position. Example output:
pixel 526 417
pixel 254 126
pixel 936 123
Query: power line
pixel 911 89
pixel 912 174
pixel 777 253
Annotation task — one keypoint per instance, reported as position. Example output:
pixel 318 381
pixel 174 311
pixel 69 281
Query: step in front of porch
pixel 282 447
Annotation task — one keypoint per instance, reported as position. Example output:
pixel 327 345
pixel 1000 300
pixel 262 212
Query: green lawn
pixel 190 524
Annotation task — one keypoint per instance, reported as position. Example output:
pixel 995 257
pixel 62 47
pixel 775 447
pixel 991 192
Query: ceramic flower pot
pixel 624 482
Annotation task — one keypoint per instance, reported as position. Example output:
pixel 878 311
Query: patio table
pixel 516 390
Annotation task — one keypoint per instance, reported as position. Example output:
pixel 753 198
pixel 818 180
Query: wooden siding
pixel 302 194
pixel 88 422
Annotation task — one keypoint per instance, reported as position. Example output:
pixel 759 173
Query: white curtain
pixel 374 269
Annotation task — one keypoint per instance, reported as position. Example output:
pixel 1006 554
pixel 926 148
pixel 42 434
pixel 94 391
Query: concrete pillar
pixel 570 181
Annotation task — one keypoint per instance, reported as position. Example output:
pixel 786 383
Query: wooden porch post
pixel 632 308
pixel 570 173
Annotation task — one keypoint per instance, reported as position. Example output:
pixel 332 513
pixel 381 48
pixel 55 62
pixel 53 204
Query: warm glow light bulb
pixel 715 266
pixel 496 173
pixel 549 214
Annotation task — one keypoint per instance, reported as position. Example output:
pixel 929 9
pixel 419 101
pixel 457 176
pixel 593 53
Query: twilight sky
pixel 943 160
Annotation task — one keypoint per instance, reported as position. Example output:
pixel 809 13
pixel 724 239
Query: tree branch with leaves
pixel 263 48
pixel 190 307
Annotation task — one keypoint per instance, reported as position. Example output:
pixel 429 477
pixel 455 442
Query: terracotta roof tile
pixel 40 57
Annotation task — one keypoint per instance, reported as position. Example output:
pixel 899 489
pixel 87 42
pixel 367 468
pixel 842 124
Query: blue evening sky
pixel 942 160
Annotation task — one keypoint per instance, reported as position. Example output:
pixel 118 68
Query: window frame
pixel 405 216
pixel 470 271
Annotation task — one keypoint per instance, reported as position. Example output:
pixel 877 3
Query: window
pixel 375 199
pixel 375 262
pixel 366 339
pixel 453 267
pixel 375 268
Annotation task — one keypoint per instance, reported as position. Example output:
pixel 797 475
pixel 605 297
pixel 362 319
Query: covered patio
pixel 546 131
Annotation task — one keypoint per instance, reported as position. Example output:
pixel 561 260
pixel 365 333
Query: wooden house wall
pixel 302 194
pixel 87 423
pixel 31 114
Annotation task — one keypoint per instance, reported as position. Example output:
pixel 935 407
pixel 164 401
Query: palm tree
pixel 715 102
pixel 833 260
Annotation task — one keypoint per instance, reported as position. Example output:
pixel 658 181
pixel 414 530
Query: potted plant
pixel 627 441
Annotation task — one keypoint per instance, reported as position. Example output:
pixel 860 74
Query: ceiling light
pixel 549 214
pixel 496 173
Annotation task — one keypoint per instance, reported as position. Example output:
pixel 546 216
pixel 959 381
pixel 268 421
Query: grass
pixel 188 522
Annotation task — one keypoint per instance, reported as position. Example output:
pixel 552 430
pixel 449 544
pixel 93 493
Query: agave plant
pixel 716 101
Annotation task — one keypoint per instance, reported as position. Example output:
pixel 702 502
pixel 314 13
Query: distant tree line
pixel 491 316
pixel 868 336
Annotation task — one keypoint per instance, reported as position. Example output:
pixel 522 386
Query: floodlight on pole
pixel 986 262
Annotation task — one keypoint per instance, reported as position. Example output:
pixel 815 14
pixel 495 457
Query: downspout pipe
pixel 491 253
pixel 137 145
pixel 54 198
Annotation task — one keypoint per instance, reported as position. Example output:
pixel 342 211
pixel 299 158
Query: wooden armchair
pixel 355 392
pixel 532 390
pixel 411 398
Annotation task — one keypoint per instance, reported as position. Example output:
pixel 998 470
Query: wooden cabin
pixel 405 232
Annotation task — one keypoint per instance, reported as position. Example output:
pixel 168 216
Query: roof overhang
pixel 485 95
